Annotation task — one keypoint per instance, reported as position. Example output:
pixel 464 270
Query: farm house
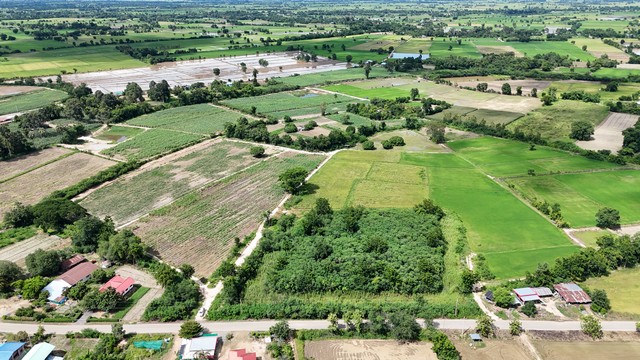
pixel 57 287
pixel 121 285
pixel 524 295
pixel 572 293
pixel 200 346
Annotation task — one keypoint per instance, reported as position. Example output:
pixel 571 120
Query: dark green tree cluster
pixel 180 299
pixel 581 95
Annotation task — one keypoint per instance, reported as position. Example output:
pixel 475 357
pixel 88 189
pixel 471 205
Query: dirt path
pixel 574 238
pixel 478 299
pixel 527 344
pixel 211 293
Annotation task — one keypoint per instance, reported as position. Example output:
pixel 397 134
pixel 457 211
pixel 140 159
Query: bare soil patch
pixel 35 185
pixel 613 55
pixel 14 90
pixel 608 134
pixel 367 350
pixel 504 347
pixel 18 252
pixel 628 66
pixel 498 50
pixel 10 305
pixel 27 162
pixel 242 340
pixel 556 350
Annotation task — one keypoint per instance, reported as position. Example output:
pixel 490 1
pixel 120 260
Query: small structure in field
pixel 241 354
pixel 524 295
pixel 121 285
pixel 572 293
pixel 489 295
pixel 41 351
pixel 475 337
pixel 199 347
pixel 11 350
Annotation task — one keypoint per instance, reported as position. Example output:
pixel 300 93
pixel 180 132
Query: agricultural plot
pixel 560 350
pixel 505 158
pixel 293 104
pixel 554 122
pixel 608 135
pixel 563 48
pixel 582 195
pixel 590 237
pixel 200 227
pixel 495 116
pixel 596 87
pixel 597 48
pixel 31 100
pixel 25 163
pixel 414 46
pixel 18 252
pixel 333 76
pixel 165 180
pixel 367 349
pixel 152 143
pixel 440 48
pixel 622 288
pixel 494 349
pixel 118 133
pixel 35 185
pixel 496 85
pixel 203 119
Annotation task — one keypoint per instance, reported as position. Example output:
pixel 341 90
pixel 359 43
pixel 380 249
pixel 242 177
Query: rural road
pixel 264 325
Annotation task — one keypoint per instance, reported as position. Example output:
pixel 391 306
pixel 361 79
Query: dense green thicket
pixel 381 109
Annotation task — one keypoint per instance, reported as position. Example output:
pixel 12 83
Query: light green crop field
pixel 115 133
pixel 554 122
pixel 414 45
pixel 590 237
pixel 596 45
pixel 502 158
pixel 595 87
pixel 334 76
pixel 83 59
pixel 562 48
pixel 623 289
pixel 201 119
pixel 152 143
pixel 617 73
pixel 29 101
pixel 513 237
pixel 581 195
pixel 440 48
pixel 288 103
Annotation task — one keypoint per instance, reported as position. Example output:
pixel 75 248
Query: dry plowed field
pixel 608 134
pixel 35 185
pixel 160 182
pixel 21 164
pixel 19 251
pixel 199 228
pixel 367 350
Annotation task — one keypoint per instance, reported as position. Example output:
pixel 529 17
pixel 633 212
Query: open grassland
pixel 495 116
pixel 201 119
pixel 494 349
pixel 152 143
pixel 554 122
pixel 440 48
pixel 513 237
pixel 30 100
pixel 391 88
pixel 367 349
pixel 414 141
pixel 83 59
pixel 622 288
pixel 595 87
pixel 590 237
pixel 597 48
pixel 414 46
pixel 116 133
pixel 333 76
pixel 582 195
pixel 288 103
pixel 199 228
pixel 563 48
pixel 591 350
pixel 166 179
pixel 503 158
pixel 25 163
pixel 35 185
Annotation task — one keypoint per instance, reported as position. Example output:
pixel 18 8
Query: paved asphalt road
pixel 263 325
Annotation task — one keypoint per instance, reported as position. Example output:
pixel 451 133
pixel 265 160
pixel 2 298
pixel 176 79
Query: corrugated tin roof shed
pixel 9 348
pixel 71 262
pixel 526 294
pixel 475 337
pixel 78 273
pixel 542 291
pixel 39 352
pixel 572 293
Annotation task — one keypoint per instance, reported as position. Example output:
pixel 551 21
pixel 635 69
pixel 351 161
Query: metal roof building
pixel 523 295
pixel 11 350
pixel 572 293
pixel 41 351
pixel 542 291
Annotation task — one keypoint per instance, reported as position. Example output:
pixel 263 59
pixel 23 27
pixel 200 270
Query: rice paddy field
pixel 30 100
pixel 513 237
pixel 532 48
pixel 152 143
pixel 204 119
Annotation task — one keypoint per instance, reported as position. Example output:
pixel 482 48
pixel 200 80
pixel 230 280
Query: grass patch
pixel 333 76
pixel 153 143
pixel 29 101
pixel 495 116
pixel 590 237
pixel 115 133
pixel 130 302
pixel 12 236
pixel 623 289
pixel 281 102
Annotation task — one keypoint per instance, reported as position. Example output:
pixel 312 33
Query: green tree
pixel 107 300
pixel 467 280
pixel 73 109
pixel 519 91
pixel 290 128
pixel 503 297
pixel 55 213
pixel 534 92
pixel 78 291
pixel 87 232
pixel 581 130
pixel 608 218
pixel 591 326
pixel 485 326
pixel 429 207
pixel 190 329
pixel 404 327
pixel 216 71
pixel 9 272
pixel 529 309
pixel 117 330
pixel 133 93
pixel 367 70
pixel 368 145
pixel 443 347
pixel 415 93
pixel 123 247
pixel 354 320
pixel 44 263
pixel 515 327
pixel 187 271
pixel 166 275
pixel 436 130
pixel 19 216
pixel 257 151
pixel 600 301
pixel 281 330
pixel 333 323
pixel 506 89
pixel 31 287
pixel 482 87
pixel 349 58
pixel 292 179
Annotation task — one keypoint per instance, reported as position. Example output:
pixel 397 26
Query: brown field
pixel 367 350
pixel 25 163
pixel 498 50
pixel 588 350
pixel 608 134
pixel 496 85
pixel 18 252
pixel 35 185
pixel 191 71
pixel 613 55
pixel 494 349
pixel 13 90
pixel 199 228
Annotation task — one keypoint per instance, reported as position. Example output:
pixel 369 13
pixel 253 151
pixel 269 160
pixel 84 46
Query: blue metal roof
pixel 7 349
pixel 397 55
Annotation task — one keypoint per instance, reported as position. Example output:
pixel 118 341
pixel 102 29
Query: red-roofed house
pixel 71 262
pixel 121 285
pixel 241 354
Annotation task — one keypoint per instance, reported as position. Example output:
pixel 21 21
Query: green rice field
pixel 201 119
pixel 153 143
pixel 30 100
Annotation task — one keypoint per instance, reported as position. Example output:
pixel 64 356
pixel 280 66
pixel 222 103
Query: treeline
pixel 382 109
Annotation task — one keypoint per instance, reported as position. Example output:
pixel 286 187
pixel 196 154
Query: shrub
pixel 190 329
pixel 368 145
pixel 591 326
pixel 529 309
pixel 600 301
pixel 290 128
pixel 310 125
pixel 256 151
pixel 387 145
pixel 396 141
